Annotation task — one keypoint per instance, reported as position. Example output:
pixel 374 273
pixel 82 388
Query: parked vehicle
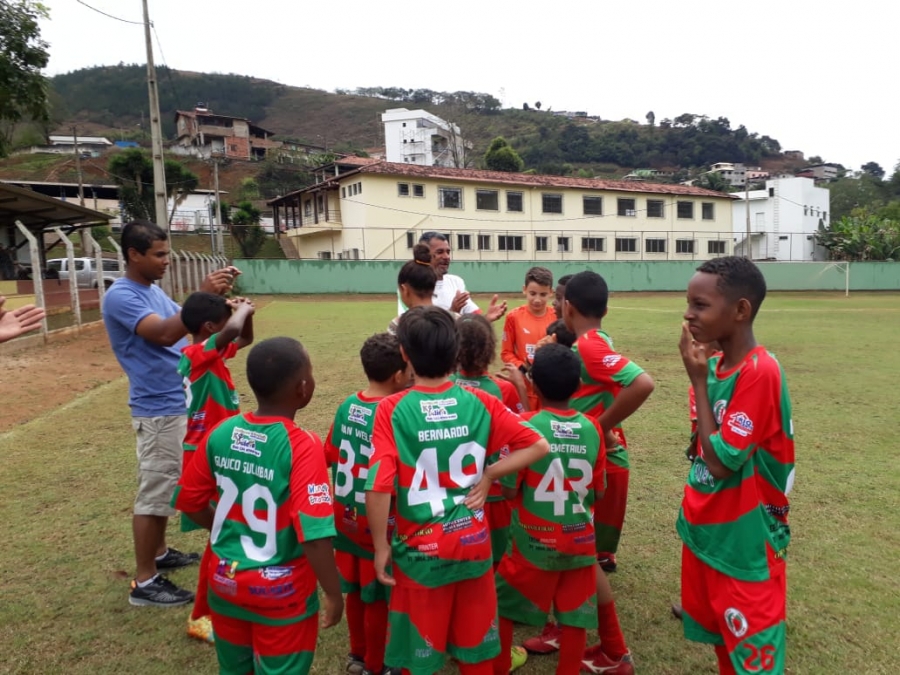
pixel 85 271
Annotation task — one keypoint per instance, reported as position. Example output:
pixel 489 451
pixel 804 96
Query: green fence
pixel 372 276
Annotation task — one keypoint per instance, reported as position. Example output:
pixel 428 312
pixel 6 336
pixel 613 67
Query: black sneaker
pixel 355 664
pixel 159 593
pixel 387 670
pixel 607 562
pixel 173 559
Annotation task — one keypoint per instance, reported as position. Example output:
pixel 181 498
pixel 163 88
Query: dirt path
pixel 38 379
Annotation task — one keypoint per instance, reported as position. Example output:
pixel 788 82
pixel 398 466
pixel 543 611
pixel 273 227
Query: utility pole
pixel 220 236
pixel 748 246
pixel 78 167
pixel 159 172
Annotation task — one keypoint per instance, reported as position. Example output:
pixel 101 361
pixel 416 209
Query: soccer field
pixel 68 472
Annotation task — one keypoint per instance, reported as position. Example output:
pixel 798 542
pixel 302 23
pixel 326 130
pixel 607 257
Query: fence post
pixel 176 277
pixel 37 279
pixel 191 287
pixel 119 255
pixel 73 276
pixel 98 260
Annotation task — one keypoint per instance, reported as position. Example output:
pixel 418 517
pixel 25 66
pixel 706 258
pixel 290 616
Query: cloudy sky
pixel 815 76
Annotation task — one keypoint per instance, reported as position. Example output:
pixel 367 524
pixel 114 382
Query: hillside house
pixel 200 133
pixel 88 146
pixel 418 137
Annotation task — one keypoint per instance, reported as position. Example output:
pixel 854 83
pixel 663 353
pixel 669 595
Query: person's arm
pixel 237 326
pixel 599 483
pixel 378 509
pixel 380 488
pixel 627 402
pixel 508 342
pixel 516 396
pixel 320 554
pixel 196 488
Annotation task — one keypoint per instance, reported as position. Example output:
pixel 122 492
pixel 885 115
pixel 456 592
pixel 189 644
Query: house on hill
pixel 365 209
pixel 201 133
pixel 418 137
pixel 92 146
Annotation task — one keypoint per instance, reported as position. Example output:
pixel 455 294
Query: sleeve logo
pixel 741 424
pixel 318 493
pixel 610 360
pixel 719 410
pixel 564 430
pixel 474 384
pixel 436 410
pixel 736 622
pixel 244 441
pixel 359 414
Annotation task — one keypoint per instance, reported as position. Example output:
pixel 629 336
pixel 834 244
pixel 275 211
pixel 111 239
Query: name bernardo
pixel 443 434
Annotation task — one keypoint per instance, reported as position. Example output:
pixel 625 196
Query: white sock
pixel 160 557
pixel 142 584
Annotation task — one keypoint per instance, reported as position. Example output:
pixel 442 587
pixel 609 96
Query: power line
pixel 110 16
pixel 162 56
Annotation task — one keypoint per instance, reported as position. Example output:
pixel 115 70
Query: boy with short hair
pixel 348 449
pixel 560 294
pixel 551 561
pixel 527 324
pixel 272 526
pixel 437 448
pixel 218 328
pixel 733 518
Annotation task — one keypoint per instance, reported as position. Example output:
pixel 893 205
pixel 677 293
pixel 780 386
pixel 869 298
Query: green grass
pixel 68 480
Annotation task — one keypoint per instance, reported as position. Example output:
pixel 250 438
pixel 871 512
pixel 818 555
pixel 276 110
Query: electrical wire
pixel 100 11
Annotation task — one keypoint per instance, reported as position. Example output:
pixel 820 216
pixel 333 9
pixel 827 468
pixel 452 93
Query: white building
pixel 783 219
pixel 418 137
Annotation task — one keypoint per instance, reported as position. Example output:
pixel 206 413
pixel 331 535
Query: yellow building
pixel 365 209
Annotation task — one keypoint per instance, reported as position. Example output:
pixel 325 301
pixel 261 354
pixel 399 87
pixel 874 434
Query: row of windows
pixel 516 242
pixel 352 190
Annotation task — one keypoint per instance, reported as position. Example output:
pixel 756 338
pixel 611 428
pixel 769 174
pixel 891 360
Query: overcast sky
pixel 819 77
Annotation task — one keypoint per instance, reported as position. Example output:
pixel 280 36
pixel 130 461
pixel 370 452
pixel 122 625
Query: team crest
pixel 244 441
pixel 719 410
pixel 478 514
pixel 736 622
pixel 436 411
pixel 610 360
pixel 740 423
pixel 359 414
pixel 564 430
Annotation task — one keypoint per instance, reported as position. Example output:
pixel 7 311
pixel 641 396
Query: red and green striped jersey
pixel 739 525
pixel 348 449
pixel 208 388
pixel 431 446
pixel 495 386
pixel 553 517
pixel 272 490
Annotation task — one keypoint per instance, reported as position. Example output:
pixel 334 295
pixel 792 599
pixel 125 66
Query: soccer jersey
pixel 272 487
pixel 521 332
pixel 495 386
pixel 739 525
pixel 208 388
pixel 431 446
pixel 553 517
pixel 348 449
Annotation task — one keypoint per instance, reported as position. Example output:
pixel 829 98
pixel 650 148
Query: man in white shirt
pixel 450 291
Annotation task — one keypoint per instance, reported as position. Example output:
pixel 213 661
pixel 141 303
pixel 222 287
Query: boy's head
pixel 564 336
pixel 383 362
pixel 556 372
pixel 146 248
pixel 586 297
pixel 537 289
pixel 429 340
pixel 204 314
pixel 560 294
pixel 279 372
pixel 477 344
pixel 723 297
pixel 417 277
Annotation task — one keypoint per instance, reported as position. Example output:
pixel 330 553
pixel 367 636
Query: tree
pixel 861 237
pixel 180 182
pixel 651 118
pixel 849 194
pixel 132 171
pixel 713 180
pixel 245 229
pixel 525 106
pixel 501 157
pixel 537 105
pixel 23 54
pixel 873 169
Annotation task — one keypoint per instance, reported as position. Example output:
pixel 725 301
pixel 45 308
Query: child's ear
pixel 743 310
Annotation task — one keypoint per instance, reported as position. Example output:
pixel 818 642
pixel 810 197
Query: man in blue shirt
pixel 147 336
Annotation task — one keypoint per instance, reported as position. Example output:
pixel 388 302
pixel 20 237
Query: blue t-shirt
pixel 155 387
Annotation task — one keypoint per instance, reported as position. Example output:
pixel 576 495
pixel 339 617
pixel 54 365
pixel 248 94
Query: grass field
pixel 68 486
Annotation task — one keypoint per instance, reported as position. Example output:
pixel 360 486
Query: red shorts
pixel 748 617
pixel 427 624
pixel 358 575
pixel 526 594
pixel 499 518
pixel 245 647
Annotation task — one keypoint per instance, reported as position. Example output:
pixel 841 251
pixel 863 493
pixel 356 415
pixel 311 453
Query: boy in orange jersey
pixel 527 324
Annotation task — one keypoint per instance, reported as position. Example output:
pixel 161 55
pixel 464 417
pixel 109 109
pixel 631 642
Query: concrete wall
pixel 368 276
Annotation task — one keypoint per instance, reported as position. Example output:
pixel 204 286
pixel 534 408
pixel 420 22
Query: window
pixel 343 193
pixel 626 245
pixel 403 189
pixel 307 207
pixel 418 190
pixel 541 244
pixel 592 243
pixel 514 201
pixel 783 237
pixel 654 245
pixel 626 207
pixel 593 206
pixel 359 188
pixel 684 246
pixel 805 210
pixel 771 192
pixel 56 265
pixel 709 211
pixel 410 239
pixel 324 255
pixel 110 265
pixel 509 243
pixel 714 246
pixel 464 242
pixel 487 200
pixel 551 203
pixel 686 210
pixel 824 215
pixel 450 198
pixel 484 242
pixel 320 203
pixel 562 244
pixel 656 208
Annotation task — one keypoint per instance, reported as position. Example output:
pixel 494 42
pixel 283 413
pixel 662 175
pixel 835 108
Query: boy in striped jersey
pixel 733 518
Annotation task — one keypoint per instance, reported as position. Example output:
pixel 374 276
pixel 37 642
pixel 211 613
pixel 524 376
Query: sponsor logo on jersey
pixel 574 527
pixel 244 441
pixel 740 423
pixel 223 585
pixel 610 360
pixel 318 493
pixel 736 622
pixel 719 410
pixel 436 410
pixel 424 548
pixel 226 568
pixel 472 539
pixel 564 429
pixel 274 591
pixel 457 525
pixel 478 515
pixel 474 384
pixel 275 572
pixel 359 414
pixel 585 539
pixel 427 651
pixel 199 415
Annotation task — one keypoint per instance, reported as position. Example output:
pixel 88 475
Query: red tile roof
pixel 352 160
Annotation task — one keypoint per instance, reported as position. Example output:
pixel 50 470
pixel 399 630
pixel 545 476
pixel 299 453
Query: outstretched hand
pixel 16 322
pixel 496 309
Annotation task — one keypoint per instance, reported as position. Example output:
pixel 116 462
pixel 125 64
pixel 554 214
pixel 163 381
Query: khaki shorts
pixel 159 452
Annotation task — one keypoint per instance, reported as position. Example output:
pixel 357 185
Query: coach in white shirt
pixel 450 291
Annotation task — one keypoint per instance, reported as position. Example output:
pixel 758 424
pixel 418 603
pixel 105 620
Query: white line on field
pixel 766 311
